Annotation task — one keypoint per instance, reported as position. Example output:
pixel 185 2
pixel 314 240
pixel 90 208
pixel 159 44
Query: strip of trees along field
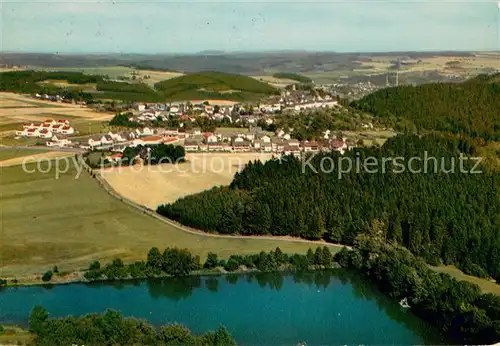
pixel 453 218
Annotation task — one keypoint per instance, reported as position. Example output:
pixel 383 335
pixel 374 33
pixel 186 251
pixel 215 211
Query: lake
pixel 332 307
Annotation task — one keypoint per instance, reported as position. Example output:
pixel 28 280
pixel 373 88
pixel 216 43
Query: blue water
pixel 318 308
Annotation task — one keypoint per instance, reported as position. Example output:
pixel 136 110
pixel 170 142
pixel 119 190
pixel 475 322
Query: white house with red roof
pixel 67 130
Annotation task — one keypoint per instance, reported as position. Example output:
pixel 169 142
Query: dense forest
pixel 180 262
pixel 446 217
pixel 471 108
pixel 111 328
pixel 456 307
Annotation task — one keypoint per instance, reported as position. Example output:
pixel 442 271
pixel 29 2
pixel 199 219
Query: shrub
pixel 47 276
pixel 95 265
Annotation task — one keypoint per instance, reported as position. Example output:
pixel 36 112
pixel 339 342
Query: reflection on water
pixel 280 308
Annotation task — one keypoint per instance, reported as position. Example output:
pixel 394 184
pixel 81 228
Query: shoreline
pixel 219 271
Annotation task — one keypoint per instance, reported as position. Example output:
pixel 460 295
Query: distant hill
pixel 214 85
pixel 471 108
pixel 293 76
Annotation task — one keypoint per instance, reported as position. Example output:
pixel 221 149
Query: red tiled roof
pixel 62 121
pixel 31 130
pixel 56 126
pixel 152 138
pixel 207 134
pixel 46 125
pixel 116 156
pixel 66 128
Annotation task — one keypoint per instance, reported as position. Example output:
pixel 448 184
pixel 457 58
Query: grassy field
pixel 6 154
pixel 155 185
pixel 14 335
pixel 68 222
pixel 486 285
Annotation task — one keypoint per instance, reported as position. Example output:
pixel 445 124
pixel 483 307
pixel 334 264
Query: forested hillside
pixel 449 217
pixel 471 108
pixel 206 85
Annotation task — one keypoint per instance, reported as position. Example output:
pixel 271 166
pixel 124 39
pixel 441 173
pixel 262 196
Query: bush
pixel 212 261
pixel 55 270
pixel 95 265
pixel 47 276
pixel 1 329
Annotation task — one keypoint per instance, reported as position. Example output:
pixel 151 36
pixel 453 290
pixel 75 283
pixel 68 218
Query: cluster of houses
pixel 119 141
pixel 282 143
pixel 57 98
pixel 47 129
pixel 288 101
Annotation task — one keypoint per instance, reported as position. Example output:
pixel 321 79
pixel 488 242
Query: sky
pixel 79 26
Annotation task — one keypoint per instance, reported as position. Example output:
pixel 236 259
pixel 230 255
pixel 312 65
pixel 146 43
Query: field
pixel 17 109
pixel 7 154
pixel 19 156
pixel 147 76
pixel 155 185
pixel 14 335
pixel 68 222
pixel 486 285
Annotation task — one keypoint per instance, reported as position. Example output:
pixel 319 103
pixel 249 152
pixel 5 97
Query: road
pixel 105 185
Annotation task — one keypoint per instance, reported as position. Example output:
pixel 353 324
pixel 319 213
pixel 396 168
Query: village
pixel 243 135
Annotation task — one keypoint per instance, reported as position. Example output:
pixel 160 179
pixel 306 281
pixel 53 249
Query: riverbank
pixel 77 277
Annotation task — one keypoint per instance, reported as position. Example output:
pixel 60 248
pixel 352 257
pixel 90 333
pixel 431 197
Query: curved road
pixel 107 187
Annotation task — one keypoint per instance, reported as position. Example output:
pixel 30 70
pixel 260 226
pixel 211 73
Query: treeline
pixel 471 108
pixel 111 328
pixel 456 307
pixel 453 218
pixel 293 76
pixel 28 81
pixel 155 154
pixel 124 87
pixel 180 262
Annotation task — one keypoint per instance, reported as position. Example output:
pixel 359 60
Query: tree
pixel 47 276
pixel 37 318
pixel 310 256
pixel 326 257
pixel 175 334
pixel 223 337
pixel 95 265
pixel 155 259
pixel 212 261
pixel 318 256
